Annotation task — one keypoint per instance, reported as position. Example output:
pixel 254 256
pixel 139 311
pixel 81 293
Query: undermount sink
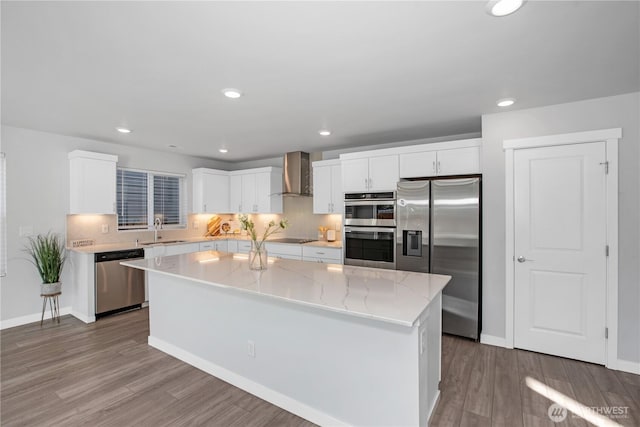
pixel 162 242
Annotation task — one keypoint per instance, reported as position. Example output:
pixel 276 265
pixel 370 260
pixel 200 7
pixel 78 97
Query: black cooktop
pixel 290 240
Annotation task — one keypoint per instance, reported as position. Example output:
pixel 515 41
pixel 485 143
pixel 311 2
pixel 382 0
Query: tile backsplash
pixel 103 229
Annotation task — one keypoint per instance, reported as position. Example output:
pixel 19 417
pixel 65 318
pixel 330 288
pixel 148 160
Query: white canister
pixel 331 235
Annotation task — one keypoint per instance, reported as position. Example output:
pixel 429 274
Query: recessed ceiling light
pixel 231 93
pixel 223 150
pixel 123 130
pixel 324 132
pixel 505 102
pixel 503 7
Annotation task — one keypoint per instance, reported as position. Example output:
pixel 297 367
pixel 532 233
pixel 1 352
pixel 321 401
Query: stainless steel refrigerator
pixel 438 231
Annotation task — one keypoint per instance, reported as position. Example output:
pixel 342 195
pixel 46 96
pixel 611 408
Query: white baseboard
pixel 492 340
pixel 628 366
pixel 82 317
pixel 30 318
pixel 265 393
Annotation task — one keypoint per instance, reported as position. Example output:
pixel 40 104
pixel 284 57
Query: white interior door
pixel 560 250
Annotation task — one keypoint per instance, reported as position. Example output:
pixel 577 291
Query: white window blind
pixel 144 196
pixel 3 216
pixel 132 199
pixel 166 199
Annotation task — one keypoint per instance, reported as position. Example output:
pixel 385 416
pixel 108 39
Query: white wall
pixel 38 196
pixel 335 153
pixel 621 111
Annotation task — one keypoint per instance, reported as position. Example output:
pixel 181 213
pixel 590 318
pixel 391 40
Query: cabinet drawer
pixel 275 249
pixel 334 254
pixel 283 256
pixel 244 246
pixel 322 260
pixel 207 246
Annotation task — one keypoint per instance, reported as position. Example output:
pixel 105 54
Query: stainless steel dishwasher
pixel 118 288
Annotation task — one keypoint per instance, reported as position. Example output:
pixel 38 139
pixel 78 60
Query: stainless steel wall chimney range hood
pixel 297 171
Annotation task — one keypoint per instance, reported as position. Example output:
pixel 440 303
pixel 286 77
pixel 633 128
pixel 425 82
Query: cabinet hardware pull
pixel 439 170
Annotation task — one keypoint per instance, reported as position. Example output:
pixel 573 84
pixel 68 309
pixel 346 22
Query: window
pixel 144 196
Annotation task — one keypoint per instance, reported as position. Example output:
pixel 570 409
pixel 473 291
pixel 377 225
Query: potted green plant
pixel 48 254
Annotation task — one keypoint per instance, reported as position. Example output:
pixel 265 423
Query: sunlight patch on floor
pixel 570 404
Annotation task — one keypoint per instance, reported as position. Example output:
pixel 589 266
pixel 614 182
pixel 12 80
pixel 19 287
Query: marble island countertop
pixel 391 296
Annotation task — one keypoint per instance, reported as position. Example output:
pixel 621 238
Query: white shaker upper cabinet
pixel 249 194
pixel 442 161
pixel 327 187
pixel 92 183
pixel 210 191
pixel 256 190
pixel 379 173
pixel 269 191
pixel 235 193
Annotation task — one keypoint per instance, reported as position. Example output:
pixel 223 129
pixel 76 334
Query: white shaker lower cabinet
pixel 161 250
pixel 92 183
pixel 210 191
pixel 327 187
pixel 285 251
pixel 214 245
pixel 320 254
pixel 375 173
pixel 239 246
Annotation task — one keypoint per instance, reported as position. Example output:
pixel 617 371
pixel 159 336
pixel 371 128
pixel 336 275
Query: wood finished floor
pixel 105 374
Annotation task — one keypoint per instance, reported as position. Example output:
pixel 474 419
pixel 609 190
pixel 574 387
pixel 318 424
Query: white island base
pixel 329 367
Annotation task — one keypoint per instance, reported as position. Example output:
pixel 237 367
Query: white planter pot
pixel 50 288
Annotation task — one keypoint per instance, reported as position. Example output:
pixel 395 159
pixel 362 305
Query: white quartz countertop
pixel 123 246
pixel 391 296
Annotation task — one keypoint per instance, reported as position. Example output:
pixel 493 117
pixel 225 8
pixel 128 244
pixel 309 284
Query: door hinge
pixel 606 250
pixel 606 333
pixel 606 167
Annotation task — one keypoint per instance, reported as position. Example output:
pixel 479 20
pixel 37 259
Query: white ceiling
pixel 372 72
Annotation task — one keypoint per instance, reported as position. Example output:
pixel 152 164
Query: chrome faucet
pixel 157 224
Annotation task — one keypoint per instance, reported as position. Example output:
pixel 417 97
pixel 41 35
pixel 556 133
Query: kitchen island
pixel 337 345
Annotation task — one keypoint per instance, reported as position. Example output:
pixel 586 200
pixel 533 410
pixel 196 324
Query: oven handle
pixel 371 229
pixel 377 202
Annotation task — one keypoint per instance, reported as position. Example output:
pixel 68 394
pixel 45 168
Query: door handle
pixel 523 259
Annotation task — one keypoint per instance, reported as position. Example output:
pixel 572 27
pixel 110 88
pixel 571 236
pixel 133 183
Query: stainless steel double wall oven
pixel 370 229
